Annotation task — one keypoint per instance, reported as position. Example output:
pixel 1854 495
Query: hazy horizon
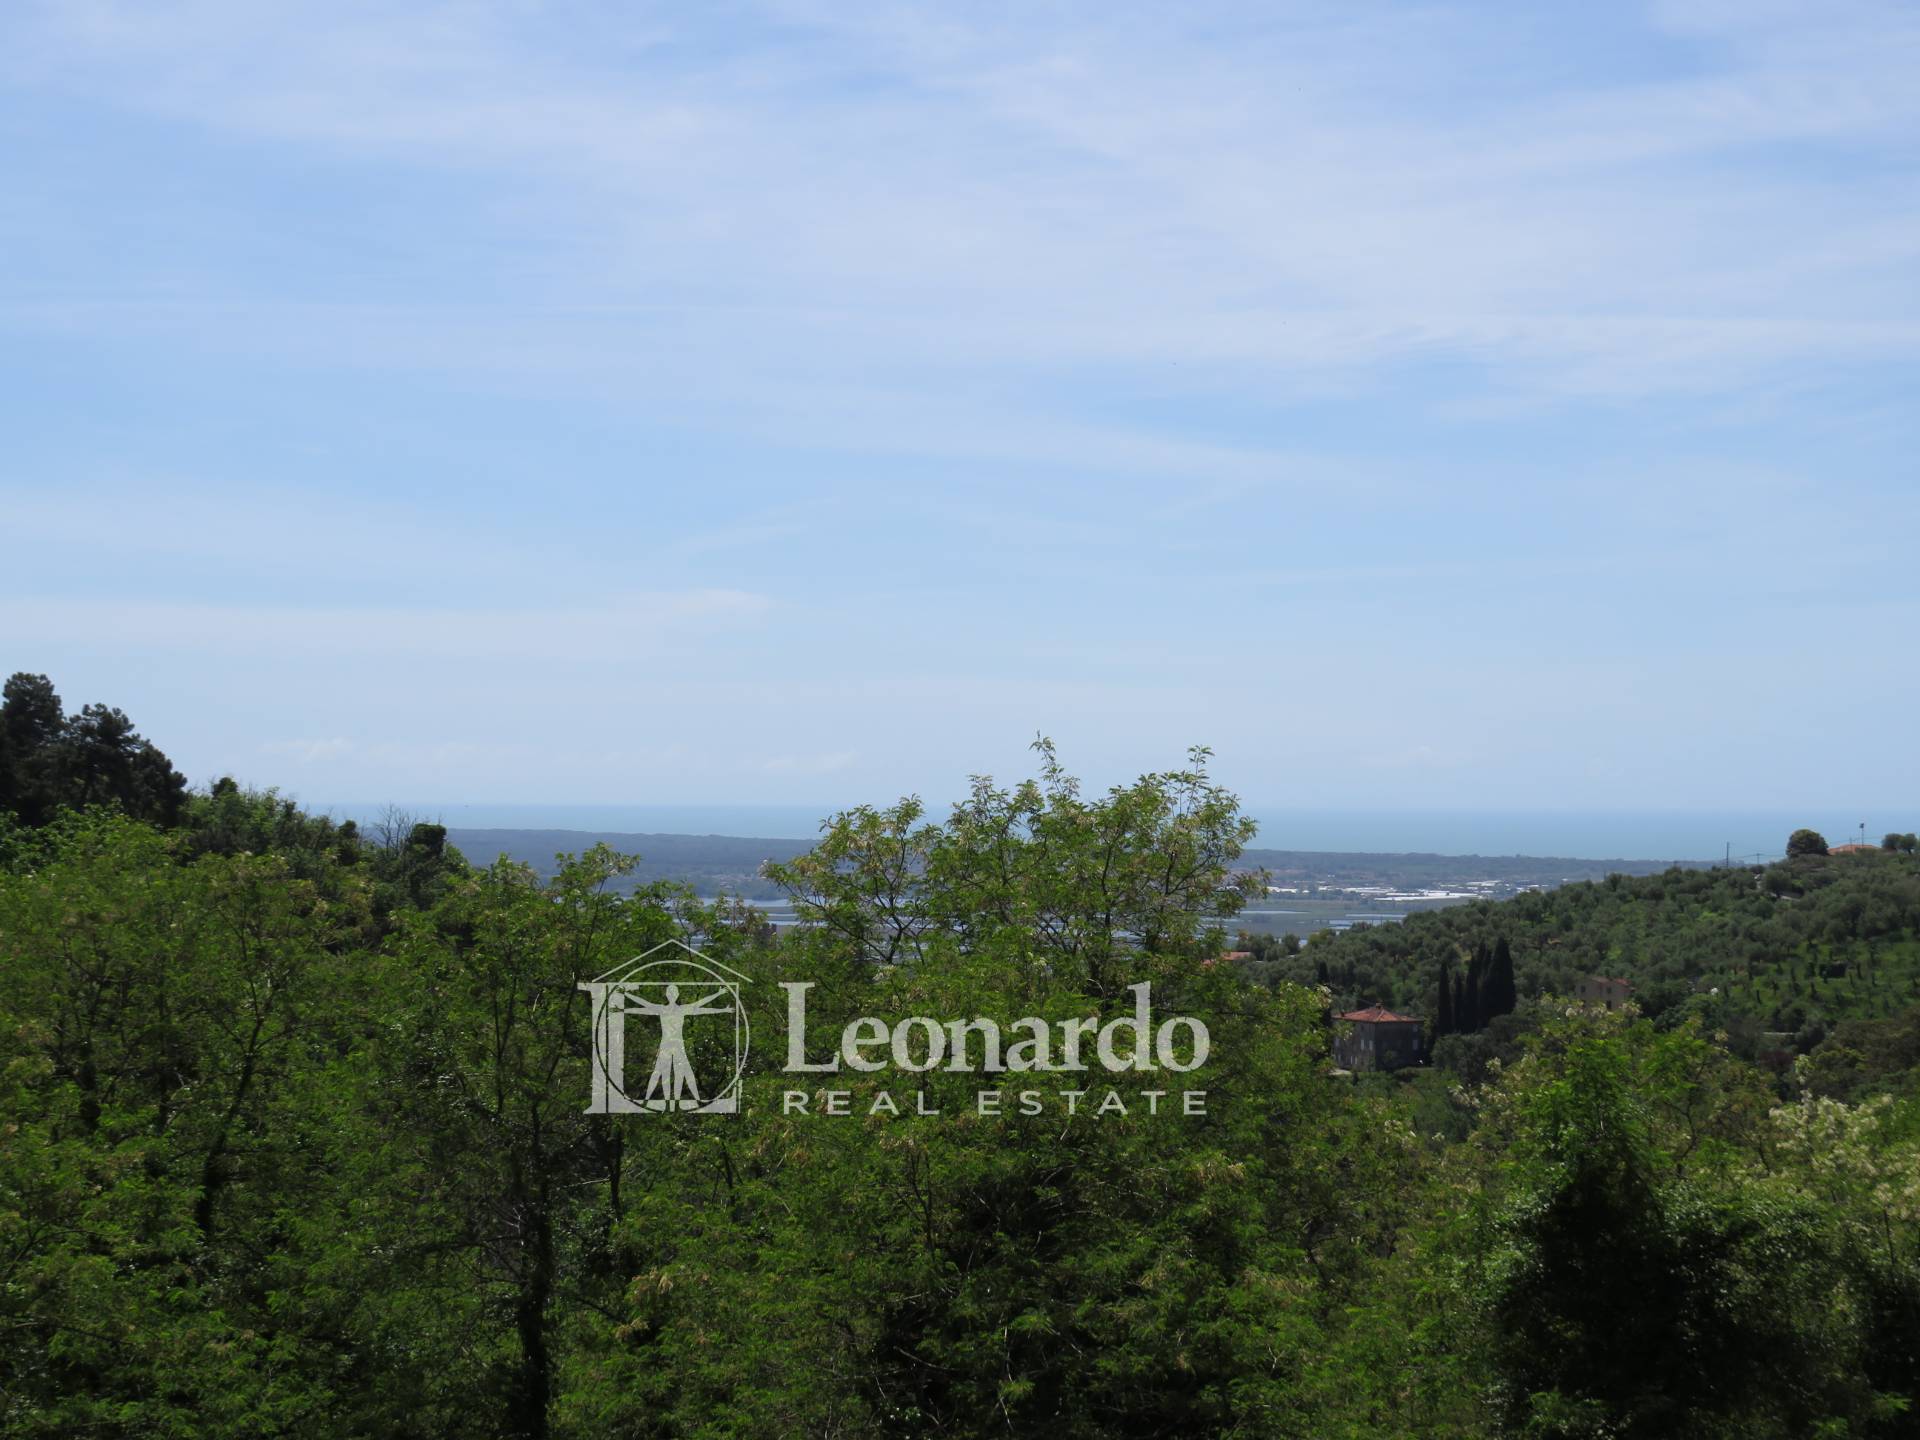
pixel 1577 835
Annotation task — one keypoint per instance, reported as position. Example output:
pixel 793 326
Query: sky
pixel 1440 405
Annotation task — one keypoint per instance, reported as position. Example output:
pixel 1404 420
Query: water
pixel 759 822
pixel 1581 835
pixel 1570 834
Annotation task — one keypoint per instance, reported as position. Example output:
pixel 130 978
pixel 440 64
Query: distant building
pixel 1378 1040
pixel 1853 849
pixel 1599 990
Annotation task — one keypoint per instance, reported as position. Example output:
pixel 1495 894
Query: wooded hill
pixel 1776 955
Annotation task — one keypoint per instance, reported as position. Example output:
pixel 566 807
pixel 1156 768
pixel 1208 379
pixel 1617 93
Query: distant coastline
pixel 1308 890
pixel 1621 835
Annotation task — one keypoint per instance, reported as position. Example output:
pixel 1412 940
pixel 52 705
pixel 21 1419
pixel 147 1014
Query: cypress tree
pixel 1474 1015
pixel 1443 1012
pixel 1501 993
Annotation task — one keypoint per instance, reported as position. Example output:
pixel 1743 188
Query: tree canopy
pixel 50 760
pixel 1806 842
pixel 293 1143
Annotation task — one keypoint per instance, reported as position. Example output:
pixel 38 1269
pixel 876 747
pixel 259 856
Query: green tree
pixel 1145 870
pixel 970 1273
pixel 1806 842
pixel 1501 993
pixel 48 759
pixel 1470 1010
pixel 486 1078
pixel 167 1029
pixel 1634 1278
pixel 102 758
pixel 31 726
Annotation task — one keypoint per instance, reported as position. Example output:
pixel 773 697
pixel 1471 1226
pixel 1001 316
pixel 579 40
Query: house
pixel 1378 1040
pixel 1853 849
pixel 1599 990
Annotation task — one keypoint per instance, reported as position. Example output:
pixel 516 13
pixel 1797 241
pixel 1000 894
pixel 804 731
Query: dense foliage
pixel 292 1143
pixel 50 759
pixel 1776 955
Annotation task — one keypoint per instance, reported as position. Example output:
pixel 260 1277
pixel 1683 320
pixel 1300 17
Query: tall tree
pixel 31 726
pixel 1473 1015
pixel 1148 868
pixel 104 759
pixel 1501 994
pixel 48 759
pixel 486 1077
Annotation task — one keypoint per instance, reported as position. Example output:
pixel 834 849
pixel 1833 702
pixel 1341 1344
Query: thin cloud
pixel 1035 191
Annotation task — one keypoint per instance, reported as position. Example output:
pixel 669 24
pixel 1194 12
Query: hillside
pixel 1789 948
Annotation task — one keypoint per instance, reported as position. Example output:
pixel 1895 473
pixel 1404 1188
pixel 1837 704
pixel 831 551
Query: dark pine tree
pixel 49 759
pixel 33 725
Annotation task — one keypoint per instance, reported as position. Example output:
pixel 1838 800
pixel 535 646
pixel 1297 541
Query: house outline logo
pixel 669 989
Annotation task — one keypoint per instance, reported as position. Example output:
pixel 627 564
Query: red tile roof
pixel 1379 1014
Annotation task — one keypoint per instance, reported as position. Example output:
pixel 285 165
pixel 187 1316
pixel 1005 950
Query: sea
pixel 1742 835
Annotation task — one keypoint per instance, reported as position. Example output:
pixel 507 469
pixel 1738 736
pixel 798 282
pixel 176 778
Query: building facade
pixel 1378 1039
pixel 1599 990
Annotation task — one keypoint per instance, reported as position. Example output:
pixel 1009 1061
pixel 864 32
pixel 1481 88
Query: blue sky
pixel 1437 405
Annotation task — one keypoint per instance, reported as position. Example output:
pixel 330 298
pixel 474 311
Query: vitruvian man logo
pixel 691 1003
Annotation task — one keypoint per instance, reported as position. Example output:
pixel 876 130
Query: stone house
pixel 1378 1039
